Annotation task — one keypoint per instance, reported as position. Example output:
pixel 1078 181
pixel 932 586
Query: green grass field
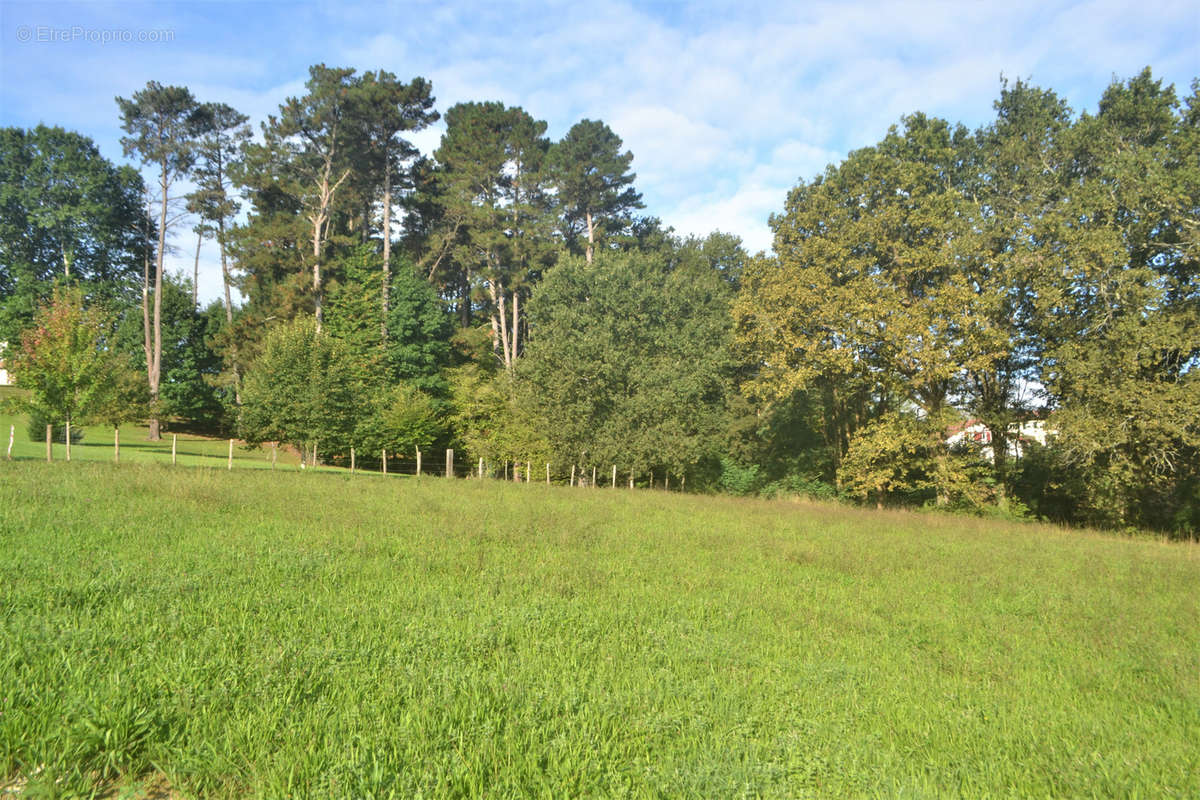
pixel 255 634
pixel 97 445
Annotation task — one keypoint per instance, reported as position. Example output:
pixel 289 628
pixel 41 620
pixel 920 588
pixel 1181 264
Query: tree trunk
pixel 464 303
pixel 196 271
pixel 156 365
pixel 237 368
pixel 943 460
pixel 387 245
pixel 515 329
pixel 316 282
pixel 320 220
pixel 1000 462
pixel 501 315
pixel 146 346
pixel 591 237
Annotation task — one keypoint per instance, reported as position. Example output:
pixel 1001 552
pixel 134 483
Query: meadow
pixel 189 632
pixel 191 449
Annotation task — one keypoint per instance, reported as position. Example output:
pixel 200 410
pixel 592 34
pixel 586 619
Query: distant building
pixel 1020 434
pixel 5 378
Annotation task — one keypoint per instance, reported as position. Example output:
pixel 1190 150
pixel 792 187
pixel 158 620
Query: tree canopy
pixel 66 215
pixel 1034 282
pixel 629 363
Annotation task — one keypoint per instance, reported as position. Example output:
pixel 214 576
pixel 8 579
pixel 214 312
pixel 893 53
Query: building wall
pixel 977 433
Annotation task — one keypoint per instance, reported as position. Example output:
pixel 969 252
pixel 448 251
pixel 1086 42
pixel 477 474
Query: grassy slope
pixel 264 634
pixel 97 445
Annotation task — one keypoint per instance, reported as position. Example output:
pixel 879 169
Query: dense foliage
pixel 1041 268
pixel 67 362
pixel 65 214
pixel 630 363
pixel 1035 282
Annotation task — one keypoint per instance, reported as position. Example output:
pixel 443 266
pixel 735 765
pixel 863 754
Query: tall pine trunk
pixel 196 270
pixel 154 365
pixel 387 246
pixel 591 236
pixel 320 220
pixel 500 322
pixel 316 282
pixel 237 367
pixel 147 347
pixel 516 317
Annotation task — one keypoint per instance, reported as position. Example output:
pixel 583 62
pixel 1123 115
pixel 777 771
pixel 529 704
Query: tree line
pixel 505 296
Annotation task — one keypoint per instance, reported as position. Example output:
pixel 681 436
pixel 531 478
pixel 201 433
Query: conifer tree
pixel 162 124
pixel 593 183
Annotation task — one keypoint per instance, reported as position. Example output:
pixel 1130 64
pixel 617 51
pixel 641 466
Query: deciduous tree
pixel 303 390
pixel 67 215
pixel 68 364
pixel 1121 317
pixel 629 362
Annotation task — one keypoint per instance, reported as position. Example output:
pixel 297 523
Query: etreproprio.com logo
pixel 50 34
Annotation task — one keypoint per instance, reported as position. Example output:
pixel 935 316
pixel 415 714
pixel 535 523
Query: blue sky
pixel 724 105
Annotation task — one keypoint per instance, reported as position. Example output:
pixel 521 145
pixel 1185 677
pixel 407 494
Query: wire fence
pixel 441 464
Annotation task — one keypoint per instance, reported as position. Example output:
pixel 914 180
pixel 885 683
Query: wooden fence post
pixel 449 463
pixel 173 443
pixel 351 460
pixel 667 481
pixel 313 463
pixel 49 442
pixel 274 453
pixel 572 474
pixel 593 477
pixel 385 461
pixel 12 432
pixel 682 482
pixel 481 468
pixel 116 445
pixel 68 440
pixel 528 472
pixel 418 462
pixel 547 473
pixel 230 454
pixel 631 479
pixel 614 485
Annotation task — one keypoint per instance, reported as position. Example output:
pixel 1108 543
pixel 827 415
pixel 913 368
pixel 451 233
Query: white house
pixel 1020 434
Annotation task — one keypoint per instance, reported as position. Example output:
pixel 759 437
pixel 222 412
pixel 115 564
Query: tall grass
pixel 317 635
